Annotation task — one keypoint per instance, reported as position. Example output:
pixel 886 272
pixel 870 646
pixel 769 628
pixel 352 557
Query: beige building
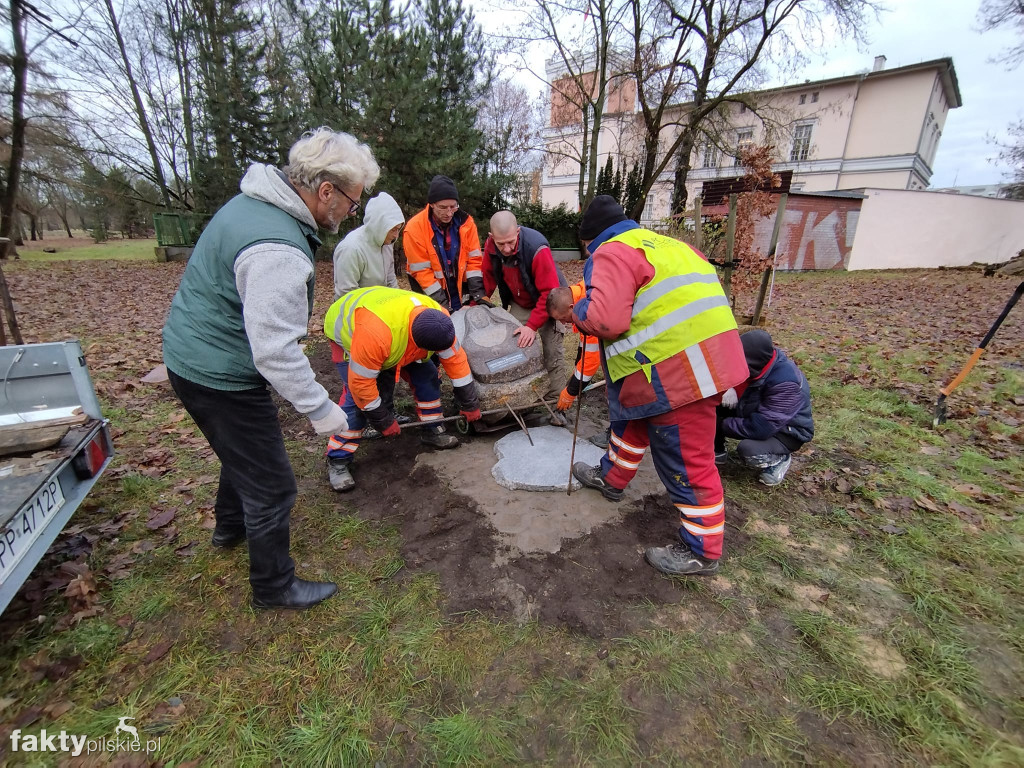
pixel 877 129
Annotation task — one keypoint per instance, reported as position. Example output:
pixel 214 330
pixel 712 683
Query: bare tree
pixel 997 14
pixel 511 127
pixel 583 72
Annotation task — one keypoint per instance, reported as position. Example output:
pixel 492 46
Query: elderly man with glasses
pixel 442 249
pixel 233 332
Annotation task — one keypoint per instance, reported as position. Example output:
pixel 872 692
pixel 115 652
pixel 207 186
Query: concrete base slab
pixel 542 465
pixel 536 522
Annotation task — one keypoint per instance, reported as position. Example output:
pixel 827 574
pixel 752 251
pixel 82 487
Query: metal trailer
pixel 39 493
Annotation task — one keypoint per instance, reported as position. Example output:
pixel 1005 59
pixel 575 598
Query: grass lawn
pixel 870 610
pixel 82 247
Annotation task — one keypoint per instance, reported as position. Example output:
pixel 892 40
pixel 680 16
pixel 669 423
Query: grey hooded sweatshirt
pixel 362 259
pixel 272 279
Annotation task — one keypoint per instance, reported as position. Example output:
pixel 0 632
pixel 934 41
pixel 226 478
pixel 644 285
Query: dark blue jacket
pixel 777 402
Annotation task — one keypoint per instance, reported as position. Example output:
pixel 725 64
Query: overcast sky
pixel 908 32
pixel 919 30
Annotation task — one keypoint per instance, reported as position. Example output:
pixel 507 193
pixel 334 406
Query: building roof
pixel 945 66
pixel 947 72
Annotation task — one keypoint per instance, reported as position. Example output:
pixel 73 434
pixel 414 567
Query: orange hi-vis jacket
pixel 423 263
pixel 374 327
pixel 588 354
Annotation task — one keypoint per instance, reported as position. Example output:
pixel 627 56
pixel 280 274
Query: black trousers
pixel 257 486
pixel 780 445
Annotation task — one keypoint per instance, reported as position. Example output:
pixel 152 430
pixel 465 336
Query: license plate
pixel 25 527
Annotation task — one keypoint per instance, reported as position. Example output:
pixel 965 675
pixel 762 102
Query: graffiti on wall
pixel 817 233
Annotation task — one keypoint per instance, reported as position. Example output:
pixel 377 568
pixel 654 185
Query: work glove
pixel 730 398
pixel 441 298
pixel 475 288
pixel 565 400
pixel 473 415
pixel 331 424
pixel 391 429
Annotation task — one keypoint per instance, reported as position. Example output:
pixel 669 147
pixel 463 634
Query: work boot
pixel 773 475
pixel 762 460
pixel 721 458
pixel 601 439
pixel 340 476
pixel 436 437
pixel 679 560
pixel 227 539
pixel 298 595
pixel 591 477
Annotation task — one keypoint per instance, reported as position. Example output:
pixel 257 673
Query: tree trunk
pixel 185 84
pixel 139 108
pixel 679 193
pixel 19 70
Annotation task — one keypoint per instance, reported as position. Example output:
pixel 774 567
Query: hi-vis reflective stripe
pixel 709 511
pixel 438 274
pixel 668 285
pixel 431 416
pixel 373 404
pixel 664 323
pixel 592 346
pixel 616 459
pixel 346 312
pixel 446 353
pixel 463 380
pixel 416 266
pixel 429 404
pixel 474 272
pixel 362 370
pixel 349 446
pixel 474 253
pixel 351 433
pixel 626 446
pixel 701 530
pixel 701 372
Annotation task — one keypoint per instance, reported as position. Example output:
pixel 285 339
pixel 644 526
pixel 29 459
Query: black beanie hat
pixel 758 349
pixel 602 212
pixel 442 188
pixel 433 330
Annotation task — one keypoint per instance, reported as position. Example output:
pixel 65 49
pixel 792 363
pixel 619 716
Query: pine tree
pixel 604 179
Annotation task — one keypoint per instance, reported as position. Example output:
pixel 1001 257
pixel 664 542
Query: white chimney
pixel 879 64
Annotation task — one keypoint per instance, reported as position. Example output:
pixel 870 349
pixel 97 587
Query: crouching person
pixel 772 415
pixel 384 330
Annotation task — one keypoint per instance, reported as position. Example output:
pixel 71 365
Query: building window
pixel 649 207
pixel 814 97
pixel 744 141
pixel 803 98
pixel 743 108
pixel 710 156
pixel 801 143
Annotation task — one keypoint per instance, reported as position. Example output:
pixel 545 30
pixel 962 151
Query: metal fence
pixel 181 229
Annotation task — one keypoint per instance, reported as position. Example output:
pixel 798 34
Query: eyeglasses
pixel 446 208
pixel 355 203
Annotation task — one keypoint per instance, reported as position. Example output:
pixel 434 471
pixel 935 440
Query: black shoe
pixel 340 476
pixel 591 477
pixel 227 539
pixel 436 437
pixel 401 418
pixel 601 439
pixel 300 594
pixel 679 560
pixel 721 458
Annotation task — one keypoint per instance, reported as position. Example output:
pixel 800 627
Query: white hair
pixel 325 155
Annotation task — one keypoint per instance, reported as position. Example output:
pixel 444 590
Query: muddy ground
pixel 595 580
